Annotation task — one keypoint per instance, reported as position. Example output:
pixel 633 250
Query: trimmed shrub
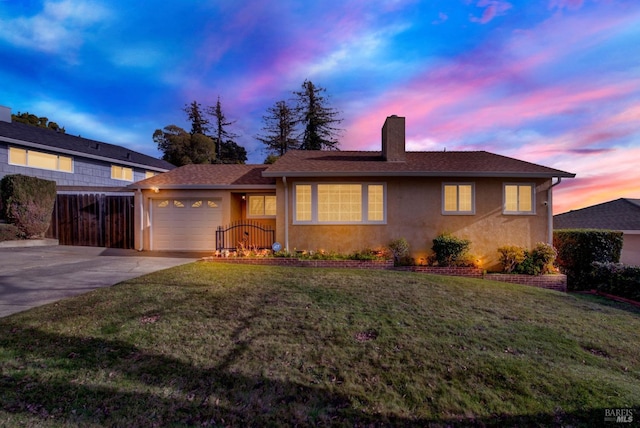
pixel 538 261
pixel 511 256
pixel 28 203
pixel 400 250
pixel 579 248
pixel 617 279
pixel 450 250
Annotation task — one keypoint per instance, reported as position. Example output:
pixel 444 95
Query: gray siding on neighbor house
pixel 86 172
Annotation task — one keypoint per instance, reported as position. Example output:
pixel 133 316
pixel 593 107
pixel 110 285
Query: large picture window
pixel 519 198
pixel 36 159
pixel 339 203
pixel 458 198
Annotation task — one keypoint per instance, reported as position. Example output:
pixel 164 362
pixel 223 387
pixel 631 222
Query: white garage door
pixel 185 224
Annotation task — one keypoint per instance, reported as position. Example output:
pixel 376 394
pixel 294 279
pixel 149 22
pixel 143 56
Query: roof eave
pixel 334 174
pixel 203 186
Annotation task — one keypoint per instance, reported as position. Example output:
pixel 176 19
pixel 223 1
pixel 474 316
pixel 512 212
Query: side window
pixel 519 198
pixel 458 198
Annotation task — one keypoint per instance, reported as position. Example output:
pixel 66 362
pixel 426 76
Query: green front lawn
pixel 230 345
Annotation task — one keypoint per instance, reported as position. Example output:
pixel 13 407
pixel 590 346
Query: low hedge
pixel 579 248
pixel 617 279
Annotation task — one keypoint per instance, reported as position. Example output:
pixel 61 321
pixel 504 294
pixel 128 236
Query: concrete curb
pixel 29 243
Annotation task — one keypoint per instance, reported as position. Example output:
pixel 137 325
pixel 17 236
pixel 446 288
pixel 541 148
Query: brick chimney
pixel 393 143
pixel 5 114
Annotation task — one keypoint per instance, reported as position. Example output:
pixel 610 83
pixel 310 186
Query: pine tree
pixel 199 123
pixel 279 129
pixel 318 119
pixel 220 133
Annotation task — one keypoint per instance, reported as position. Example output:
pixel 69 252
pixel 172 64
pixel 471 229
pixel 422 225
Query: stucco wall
pixel 414 211
pixel 86 172
pixel 631 249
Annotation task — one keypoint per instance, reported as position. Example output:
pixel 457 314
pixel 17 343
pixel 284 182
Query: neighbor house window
pixel 458 198
pixel 519 198
pixel 261 205
pixel 36 159
pixel 337 203
pixel 121 173
pixel 149 174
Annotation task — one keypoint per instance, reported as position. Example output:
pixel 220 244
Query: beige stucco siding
pixel 414 211
pixel 630 249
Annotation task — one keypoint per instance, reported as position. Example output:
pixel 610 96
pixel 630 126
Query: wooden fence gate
pixel 94 220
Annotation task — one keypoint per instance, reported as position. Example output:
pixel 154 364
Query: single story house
pixel 351 200
pixel 76 164
pixel 621 215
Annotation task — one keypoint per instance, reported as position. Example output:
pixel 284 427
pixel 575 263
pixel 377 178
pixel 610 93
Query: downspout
pixel 550 211
pixel 286 213
pixel 141 243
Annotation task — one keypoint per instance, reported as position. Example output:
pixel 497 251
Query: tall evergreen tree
pixel 279 129
pixel 232 153
pixel 220 132
pixel 318 119
pixel 199 123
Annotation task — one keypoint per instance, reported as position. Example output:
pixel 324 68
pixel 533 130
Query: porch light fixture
pixel 155 189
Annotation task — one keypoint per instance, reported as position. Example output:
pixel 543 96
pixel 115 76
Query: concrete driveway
pixel 34 276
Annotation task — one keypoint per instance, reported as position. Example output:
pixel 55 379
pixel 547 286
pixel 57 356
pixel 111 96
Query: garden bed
pixel 553 282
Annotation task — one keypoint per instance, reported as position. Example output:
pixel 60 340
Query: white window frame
pixel 122 169
pixel 26 164
pixel 259 195
pixel 458 211
pixel 518 211
pixel 364 203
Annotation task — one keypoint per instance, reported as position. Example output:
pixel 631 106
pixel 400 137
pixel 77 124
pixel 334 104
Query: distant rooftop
pixel 621 214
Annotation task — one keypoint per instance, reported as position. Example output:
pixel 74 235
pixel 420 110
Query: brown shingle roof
pixel 210 176
pixel 300 163
pixel 621 214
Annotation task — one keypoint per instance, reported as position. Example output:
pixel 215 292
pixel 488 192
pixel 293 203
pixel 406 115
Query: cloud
pixel 58 28
pixel 565 4
pixel 492 9
pixel 442 18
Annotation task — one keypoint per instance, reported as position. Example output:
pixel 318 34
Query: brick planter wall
pixel 469 272
pixel 552 282
pixel 283 261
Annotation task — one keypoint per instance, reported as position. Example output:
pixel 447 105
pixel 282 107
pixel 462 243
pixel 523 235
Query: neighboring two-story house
pixel 352 200
pixel 74 163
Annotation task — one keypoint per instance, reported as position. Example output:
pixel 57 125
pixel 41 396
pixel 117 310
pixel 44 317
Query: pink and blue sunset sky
pixel 555 82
